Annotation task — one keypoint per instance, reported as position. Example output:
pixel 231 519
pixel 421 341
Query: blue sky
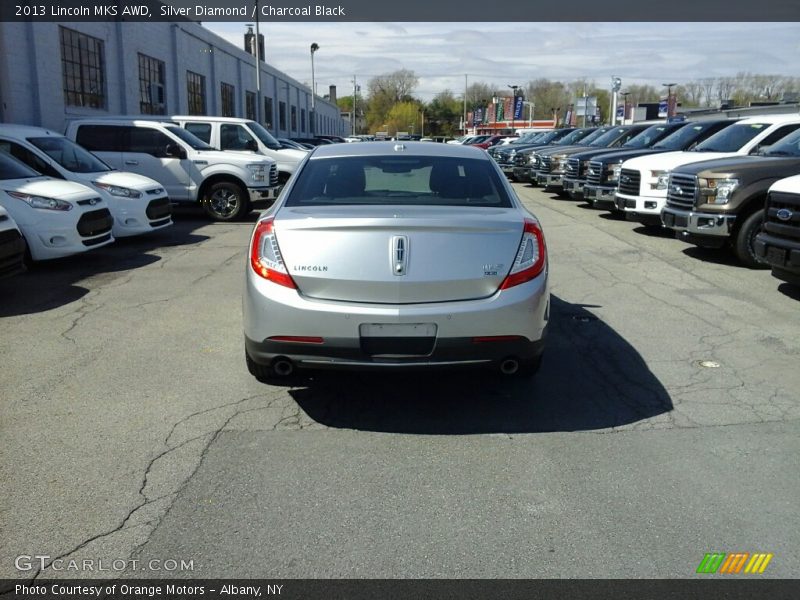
pixel 503 54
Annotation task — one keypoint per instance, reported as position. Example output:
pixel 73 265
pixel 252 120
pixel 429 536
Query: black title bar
pixel 450 11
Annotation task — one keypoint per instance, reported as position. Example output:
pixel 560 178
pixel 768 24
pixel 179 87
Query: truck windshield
pixel 264 135
pixel 650 136
pixel 71 156
pixel 731 139
pixel 788 146
pixel 574 137
pixel 610 135
pixel 550 136
pixel 597 133
pixel 11 168
pixel 194 142
pixel 685 136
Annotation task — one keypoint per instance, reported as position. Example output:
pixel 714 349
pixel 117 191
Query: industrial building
pixel 51 72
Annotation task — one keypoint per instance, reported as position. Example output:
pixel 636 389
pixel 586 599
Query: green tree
pixel 384 92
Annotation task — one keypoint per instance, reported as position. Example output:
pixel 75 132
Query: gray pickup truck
pixel 717 202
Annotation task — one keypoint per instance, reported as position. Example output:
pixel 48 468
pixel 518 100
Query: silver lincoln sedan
pixel 396 255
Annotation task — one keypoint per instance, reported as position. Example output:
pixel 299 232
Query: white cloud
pixel 514 53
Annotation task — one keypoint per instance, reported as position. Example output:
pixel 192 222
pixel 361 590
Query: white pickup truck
pixel 226 184
pixel 242 135
pixel 643 180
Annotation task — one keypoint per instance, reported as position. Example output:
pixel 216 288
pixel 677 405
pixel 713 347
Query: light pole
pixel 616 84
pixel 669 97
pixel 314 48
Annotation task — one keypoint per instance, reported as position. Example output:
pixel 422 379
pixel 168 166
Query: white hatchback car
pixel 138 204
pixel 57 218
pixel 396 255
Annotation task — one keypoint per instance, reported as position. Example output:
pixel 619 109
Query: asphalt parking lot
pixel 663 425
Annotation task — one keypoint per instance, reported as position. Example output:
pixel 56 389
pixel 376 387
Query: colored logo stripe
pixel 732 563
pixel 711 562
pixel 758 563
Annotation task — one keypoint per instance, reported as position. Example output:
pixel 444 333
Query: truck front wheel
pixel 744 242
pixel 226 201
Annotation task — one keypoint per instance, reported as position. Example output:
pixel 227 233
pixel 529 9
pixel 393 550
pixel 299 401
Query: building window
pixel 83 66
pixel 151 86
pixel 228 93
pixel 282 115
pixel 250 105
pixel 196 91
pixel 268 112
pixel 302 120
pixel 294 118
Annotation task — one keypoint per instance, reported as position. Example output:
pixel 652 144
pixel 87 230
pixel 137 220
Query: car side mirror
pixel 175 151
pixel 251 145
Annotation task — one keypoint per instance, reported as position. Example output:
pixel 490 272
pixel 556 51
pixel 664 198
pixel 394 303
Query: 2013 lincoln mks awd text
pixel 396 255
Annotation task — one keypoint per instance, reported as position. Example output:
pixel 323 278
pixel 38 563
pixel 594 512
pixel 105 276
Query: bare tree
pixel 690 94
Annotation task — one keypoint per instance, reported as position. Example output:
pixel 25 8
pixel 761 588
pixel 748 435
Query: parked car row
pixel 116 177
pixel 715 183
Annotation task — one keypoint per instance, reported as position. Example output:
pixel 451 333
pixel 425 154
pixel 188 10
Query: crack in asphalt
pixel 146 501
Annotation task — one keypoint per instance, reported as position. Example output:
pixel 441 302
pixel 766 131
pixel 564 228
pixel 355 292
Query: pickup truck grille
pixel 544 164
pixel 629 181
pixel 681 190
pixel 273 175
pixel 504 158
pixel 789 206
pixel 594 175
pixel 573 168
pixel 521 159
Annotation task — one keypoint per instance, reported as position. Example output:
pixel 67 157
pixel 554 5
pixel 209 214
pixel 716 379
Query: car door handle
pixel 131 162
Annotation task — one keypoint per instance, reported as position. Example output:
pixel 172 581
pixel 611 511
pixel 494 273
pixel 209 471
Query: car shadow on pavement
pixel 591 378
pixel 717 256
pixel 790 291
pixel 51 284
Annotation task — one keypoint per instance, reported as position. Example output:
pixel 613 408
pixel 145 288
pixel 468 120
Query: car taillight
pixel 531 256
pixel 265 256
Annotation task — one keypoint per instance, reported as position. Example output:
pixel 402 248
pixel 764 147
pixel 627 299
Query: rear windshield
pixel 399 180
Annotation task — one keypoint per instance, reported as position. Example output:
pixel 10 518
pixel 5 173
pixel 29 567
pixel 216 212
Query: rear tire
pixel 226 201
pixel 744 242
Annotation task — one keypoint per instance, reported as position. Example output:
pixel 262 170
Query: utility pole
pixel 465 104
pixel 585 104
pixel 355 96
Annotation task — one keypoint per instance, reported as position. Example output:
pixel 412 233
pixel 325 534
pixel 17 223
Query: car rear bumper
pixel 348 353
pixel 511 322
